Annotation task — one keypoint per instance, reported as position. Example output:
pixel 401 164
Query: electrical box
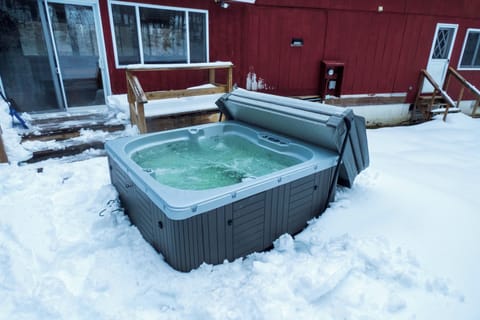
pixel 331 78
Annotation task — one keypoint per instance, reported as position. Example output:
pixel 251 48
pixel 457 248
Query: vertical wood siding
pixel 383 52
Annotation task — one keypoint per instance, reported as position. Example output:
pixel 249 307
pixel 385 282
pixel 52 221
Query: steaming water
pixel 210 162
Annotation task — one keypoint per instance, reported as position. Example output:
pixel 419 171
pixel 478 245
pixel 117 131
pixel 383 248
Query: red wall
pixel 383 52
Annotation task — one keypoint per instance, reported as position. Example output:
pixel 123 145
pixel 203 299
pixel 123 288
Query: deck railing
pixel 447 100
pixel 436 90
pixel 137 98
pixel 452 73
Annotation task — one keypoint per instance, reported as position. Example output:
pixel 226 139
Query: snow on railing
pixel 181 66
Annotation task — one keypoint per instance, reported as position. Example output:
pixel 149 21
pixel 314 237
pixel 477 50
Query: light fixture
pixel 223 4
pixel 296 42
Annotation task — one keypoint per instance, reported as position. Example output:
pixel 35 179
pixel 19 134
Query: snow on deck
pixel 172 106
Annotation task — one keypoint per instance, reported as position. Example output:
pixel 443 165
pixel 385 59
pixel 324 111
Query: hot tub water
pixel 210 162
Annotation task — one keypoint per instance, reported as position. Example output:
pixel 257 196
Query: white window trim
pixel 459 67
pixel 137 7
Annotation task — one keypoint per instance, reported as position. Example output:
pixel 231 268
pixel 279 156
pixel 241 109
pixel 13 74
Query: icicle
pixel 249 81
pixel 254 82
pixel 261 84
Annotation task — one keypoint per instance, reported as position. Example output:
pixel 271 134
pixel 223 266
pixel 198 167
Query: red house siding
pixel 383 52
pixel 286 69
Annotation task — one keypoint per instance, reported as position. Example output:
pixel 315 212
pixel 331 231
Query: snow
pixel 167 66
pixel 401 244
pixel 86 136
pixel 172 106
pixel 10 137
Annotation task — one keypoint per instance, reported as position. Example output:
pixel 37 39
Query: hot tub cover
pixel 320 124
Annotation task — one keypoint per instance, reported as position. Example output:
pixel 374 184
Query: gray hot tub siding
pixel 231 231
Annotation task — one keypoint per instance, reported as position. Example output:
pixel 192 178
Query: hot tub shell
pixel 192 227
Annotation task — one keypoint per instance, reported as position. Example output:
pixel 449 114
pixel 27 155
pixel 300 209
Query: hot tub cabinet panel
pixel 230 231
pixel 136 205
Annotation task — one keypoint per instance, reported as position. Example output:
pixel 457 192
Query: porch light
pixel 296 42
pixel 223 4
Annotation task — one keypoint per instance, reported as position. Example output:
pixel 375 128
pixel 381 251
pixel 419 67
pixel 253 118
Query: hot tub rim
pixel 179 204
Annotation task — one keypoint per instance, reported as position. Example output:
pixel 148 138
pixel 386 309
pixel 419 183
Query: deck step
pixel 429 97
pixel 442 110
pixel 70 150
pixel 63 135
pixel 66 126
pixel 68 132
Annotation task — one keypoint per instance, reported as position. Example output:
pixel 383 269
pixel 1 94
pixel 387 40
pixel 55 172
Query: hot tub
pixel 230 210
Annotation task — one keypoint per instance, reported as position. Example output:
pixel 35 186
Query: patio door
pixel 52 55
pixel 440 54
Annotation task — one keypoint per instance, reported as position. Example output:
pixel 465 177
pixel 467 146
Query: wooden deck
pixel 64 129
pixel 137 97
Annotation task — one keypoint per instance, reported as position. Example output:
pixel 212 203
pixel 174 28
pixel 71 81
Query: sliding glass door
pixel 50 54
pixel 26 62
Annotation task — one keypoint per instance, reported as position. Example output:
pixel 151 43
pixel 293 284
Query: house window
pixel 470 58
pixel 147 34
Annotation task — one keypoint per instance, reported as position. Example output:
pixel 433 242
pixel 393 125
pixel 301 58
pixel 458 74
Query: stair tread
pixel 41 155
pixel 428 99
pixel 442 110
pixel 66 123
pixel 63 133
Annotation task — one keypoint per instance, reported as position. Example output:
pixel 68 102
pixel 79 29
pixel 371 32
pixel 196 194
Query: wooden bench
pixel 137 98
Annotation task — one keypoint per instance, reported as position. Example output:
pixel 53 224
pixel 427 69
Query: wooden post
pixel 475 107
pixel 447 80
pixel 3 154
pixel 141 122
pixel 415 103
pixel 211 76
pixel 229 79
pixel 445 113
pixel 460 97
pixel 428 112
pixel 131 98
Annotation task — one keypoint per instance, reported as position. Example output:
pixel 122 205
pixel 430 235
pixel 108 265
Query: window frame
pixel 474 68
pixel 137 7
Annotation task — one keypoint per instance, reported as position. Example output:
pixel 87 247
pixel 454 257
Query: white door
pixel 440 53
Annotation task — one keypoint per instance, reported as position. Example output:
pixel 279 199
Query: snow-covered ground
pixel 403 243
